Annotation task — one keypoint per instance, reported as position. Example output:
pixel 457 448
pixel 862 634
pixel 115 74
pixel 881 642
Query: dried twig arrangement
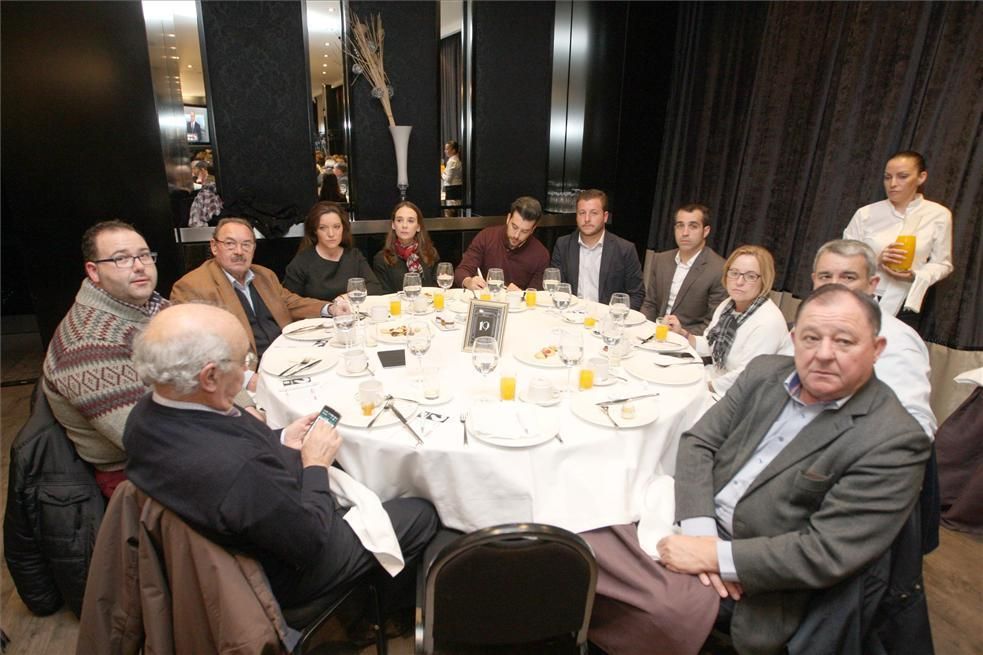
pixel 367 41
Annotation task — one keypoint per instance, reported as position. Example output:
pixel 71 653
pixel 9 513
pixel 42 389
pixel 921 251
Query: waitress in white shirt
pixel 905 212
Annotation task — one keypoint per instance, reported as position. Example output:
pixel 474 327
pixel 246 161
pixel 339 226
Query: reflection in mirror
pixel 452 106
pixel 325 22
pixel 571 50
pixel 186 131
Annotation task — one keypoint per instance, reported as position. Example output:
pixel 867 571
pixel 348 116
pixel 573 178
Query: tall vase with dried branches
pixel 368 39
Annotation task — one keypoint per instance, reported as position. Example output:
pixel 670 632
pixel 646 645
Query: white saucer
pixel 345 374
pixel 416 396
pixel 524 397
pixel 608 381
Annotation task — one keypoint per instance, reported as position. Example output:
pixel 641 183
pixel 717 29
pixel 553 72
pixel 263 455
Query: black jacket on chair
pixel 54 509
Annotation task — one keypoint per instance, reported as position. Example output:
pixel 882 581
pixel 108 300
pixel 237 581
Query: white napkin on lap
pixel 368 520
pixel 658 513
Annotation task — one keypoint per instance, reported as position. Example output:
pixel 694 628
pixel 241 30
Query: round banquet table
pixel 596 476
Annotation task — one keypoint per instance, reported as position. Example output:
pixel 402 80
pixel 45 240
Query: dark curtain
pixel 450 89
pixel 781 117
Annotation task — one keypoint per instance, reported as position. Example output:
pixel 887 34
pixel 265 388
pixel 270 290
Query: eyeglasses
pixel 232 244
pixel 750 276
pixel 127 261
pixel 249 361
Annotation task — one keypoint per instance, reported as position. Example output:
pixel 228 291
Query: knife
pixel 647 339
pixel 402 419
pixel 385 406
pixel 624 400
pixel 679 355
pixel 304 368
pixel 309 328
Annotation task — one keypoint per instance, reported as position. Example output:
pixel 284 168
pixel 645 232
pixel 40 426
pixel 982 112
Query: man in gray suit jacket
pixel 686 281
pixel 595 262
pixel 800 477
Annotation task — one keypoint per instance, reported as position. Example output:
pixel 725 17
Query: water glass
pixel 562 296
pixel 412 287
pixel 445 275
pixel 619 306
pixel 551 278
pixel 496 281
pixel 484 355
pixel 418 341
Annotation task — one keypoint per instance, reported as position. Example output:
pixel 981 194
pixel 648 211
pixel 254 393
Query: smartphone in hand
pixel 328 415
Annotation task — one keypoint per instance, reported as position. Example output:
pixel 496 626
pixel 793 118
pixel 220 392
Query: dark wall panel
pixel 80 142
pixel 412 64
pixel 651 28
pixel 257 72
pixel 513 54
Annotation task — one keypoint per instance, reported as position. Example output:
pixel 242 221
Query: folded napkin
pixel 974 376
pixel 658 513
pixel 368 520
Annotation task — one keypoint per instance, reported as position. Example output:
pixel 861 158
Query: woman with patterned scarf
pixel 408 249
pixel 746 324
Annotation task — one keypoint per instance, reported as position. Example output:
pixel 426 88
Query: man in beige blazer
pixel 250 292
pixel 686 281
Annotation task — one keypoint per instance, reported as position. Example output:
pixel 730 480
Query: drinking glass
pixel 445 275
pixel 356 295
pixel 411 288
pixel 344 324
pixel 619 306
pixel 496 281
pixel 611 333
pixel 562 296
pixel 551 278
pixel 571 351
pixel 484 355
pixel 418 341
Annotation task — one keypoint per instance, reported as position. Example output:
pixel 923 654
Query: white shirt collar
pixel 599 244
pixel 679 262
pixel 180 404
pixel 250 276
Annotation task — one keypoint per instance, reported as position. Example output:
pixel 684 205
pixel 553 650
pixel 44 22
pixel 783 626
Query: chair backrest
pixel 509 584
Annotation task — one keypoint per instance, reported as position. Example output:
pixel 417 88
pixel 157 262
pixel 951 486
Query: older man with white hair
pixel 904 364
pixel 232 478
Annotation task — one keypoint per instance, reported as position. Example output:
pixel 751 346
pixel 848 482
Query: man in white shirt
pixel 686 281
pixel 598 263
pixel 904 364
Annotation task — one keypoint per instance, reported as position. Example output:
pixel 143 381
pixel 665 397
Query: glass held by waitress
pixel 911 235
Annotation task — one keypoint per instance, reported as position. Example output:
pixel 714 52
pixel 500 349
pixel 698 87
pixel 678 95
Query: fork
pixel 464 425
pixel 293 366
pixel 604 408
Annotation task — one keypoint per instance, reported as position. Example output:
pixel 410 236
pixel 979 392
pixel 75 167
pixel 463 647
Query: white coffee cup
pixel 540 390
pixel 355 361
pixel 600 367
pixel 419 305
pixel 515 299
pixel 378 313
pixel 431 383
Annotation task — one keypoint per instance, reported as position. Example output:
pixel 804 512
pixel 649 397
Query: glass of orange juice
pixel 586 379
pixel 396 306
pixel 506 386
pixel 485 294
pixel 661 329
pixel 906 241
pixel 589 321
pixel 530 298
pixel 438 300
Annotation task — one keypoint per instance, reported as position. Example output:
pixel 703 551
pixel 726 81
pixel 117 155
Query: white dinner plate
pixel 325 325
pixel 384 330
pixel 664 346
pixel 678 374
pixel 457 306
pixel 416 395
pixel 635 317
pixel 511 425
pixel 529 357
pixel 584 407
pixel 521 307
pixel 276 361
pixel 351 413
pixel 627 355
pixel 554 399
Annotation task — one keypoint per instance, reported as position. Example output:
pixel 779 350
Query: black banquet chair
pixel 516 588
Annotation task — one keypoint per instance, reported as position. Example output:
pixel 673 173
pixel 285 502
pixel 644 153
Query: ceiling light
pixel 189 65
pixel 331 9
pixel 325 56
pixel 172 35
pixel 174 57
pixel 328 44
pixel 324 65
pixel 173 47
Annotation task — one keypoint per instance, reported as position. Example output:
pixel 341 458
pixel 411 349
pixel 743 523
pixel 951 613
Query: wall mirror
pixel 455 99
pixel 186 129
pixel 325 22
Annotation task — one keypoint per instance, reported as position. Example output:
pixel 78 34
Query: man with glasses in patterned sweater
pixel 89 380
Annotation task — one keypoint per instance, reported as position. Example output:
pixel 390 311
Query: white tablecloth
pixel 598 476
